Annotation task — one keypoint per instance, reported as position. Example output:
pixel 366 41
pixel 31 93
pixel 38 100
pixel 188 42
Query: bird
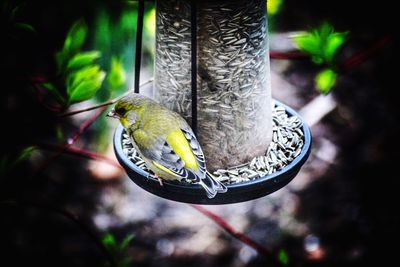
pixel 165 142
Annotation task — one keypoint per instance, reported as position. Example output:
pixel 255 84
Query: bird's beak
pixel 112 114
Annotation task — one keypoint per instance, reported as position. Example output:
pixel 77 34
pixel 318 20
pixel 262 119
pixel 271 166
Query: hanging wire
pixel 194 64
pixel 138 54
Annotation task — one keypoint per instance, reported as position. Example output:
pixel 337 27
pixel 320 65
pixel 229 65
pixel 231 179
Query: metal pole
pixel 194 64
pixel 138 54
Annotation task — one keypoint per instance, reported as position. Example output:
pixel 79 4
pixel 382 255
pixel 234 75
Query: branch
pixel 80 152
pixel 104 104
pixel 33 78
pixel 363 55
pixel 72 217
pixel 287 55
pixel 236 234
pixel 70 141
pixel 81 129
pixel 84 126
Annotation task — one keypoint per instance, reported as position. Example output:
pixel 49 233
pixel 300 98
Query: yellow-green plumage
pixel 165 141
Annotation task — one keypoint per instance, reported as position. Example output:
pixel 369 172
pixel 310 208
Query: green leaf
pixel 84 83
pixel 116 77
pixel 103 33
pixel 76 37
pixel 273 7
pixel 109 241
pixel 25 154
pixel 74 41
pixel 54 91
pixel 325 80
pixel 317 60
pixel 125 243
pixel 333 43
pixel 125 262
pixel 324 31
pixel 60 137
pixel 118 251
pixel 15 11
pixel 80 75
pixel 86 89
pixel 308 42
pixel 283 257
pixel 83 59
pixel 25 27
pixel 150 22
pixel 61 57
pixel 322 43
pixel 7 163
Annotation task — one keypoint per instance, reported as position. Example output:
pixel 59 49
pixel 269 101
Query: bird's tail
pixel 212 186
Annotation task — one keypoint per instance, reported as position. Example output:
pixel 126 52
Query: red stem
pixel 33 79
pixel 82 153
pixel 41 101
pixel 362 56
pixel 287 55
pixel 85 125
pixel 238 235
pixel 70 140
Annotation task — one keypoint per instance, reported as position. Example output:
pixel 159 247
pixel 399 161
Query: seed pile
pixel 286 145
pixel 234 115
pixel 172 59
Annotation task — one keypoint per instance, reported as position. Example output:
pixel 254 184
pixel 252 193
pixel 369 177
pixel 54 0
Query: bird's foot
pixel 156 177
pixel 160 181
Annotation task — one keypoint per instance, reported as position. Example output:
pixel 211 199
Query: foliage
pixel 83 59
pixel 10 21
pixel 52 89
pixel 325 80
pixel 116 78
pixel 117 57
pixel 81 76
pixel 150 22
pixel 72 44
pixel 322 44
pixel 274 6
pixel 118 251
pixel 7 163
pixel 283 257
pixel 120 24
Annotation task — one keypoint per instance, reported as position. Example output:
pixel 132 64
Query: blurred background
pixel 65 201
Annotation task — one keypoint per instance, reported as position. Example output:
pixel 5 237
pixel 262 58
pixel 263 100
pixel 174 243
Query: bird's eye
pixel 120 110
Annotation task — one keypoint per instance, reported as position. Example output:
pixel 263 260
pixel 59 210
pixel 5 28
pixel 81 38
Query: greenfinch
pixel 165 141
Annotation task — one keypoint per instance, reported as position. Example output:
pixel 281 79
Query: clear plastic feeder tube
pixel 234 94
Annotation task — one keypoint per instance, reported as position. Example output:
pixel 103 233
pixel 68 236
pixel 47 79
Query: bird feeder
pixel 212 66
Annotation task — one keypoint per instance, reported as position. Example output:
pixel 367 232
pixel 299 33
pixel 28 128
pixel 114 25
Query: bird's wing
pixel 177 153
pixel 196 149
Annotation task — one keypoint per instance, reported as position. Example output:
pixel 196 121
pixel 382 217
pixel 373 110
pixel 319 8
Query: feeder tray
pixel 238 192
